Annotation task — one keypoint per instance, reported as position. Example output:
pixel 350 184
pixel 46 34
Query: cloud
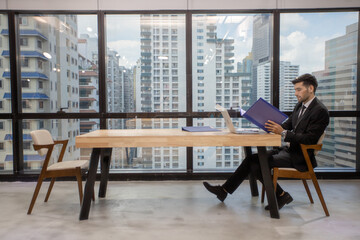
pixel 292 20
pixel 299 49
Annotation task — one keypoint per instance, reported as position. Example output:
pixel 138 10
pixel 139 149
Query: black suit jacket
pixel 307 131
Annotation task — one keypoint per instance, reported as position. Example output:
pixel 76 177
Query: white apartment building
pixel 161 84
pixel 49 80
pixel 288 72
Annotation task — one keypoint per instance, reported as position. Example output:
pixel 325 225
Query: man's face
pixel 302 93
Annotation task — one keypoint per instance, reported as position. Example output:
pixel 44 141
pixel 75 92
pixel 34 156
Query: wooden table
pixel 102 142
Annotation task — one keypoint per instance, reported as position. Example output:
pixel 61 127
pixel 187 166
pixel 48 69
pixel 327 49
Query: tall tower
pixel 215 81
pixel 337 90
pixel 261 49
pixel 288 72
pixel 161 81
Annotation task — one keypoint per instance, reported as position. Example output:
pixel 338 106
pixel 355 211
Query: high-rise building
pixel 337 90
pixel 263 86
pixel 49 80
pixel 261 49
pixel 288 72
pixel 160 84
pixel 216 82
pixel 88 84
pixel 245 68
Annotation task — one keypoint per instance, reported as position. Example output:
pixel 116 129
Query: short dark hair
pixel 307 80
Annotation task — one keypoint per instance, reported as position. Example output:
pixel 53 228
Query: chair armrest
pixel 61 141
pixel 38 147
pixel 305 148
pixel 64 145
pixel 313 146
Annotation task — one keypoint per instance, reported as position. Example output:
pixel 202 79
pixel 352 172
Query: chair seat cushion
pixel 83 164
pixel 288 169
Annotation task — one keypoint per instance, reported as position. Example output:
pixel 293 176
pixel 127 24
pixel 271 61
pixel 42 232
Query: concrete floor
pixel 178 210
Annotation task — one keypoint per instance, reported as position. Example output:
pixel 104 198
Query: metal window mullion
pixel 276 58
pixel 358 102
pixel 102 69
pixel 15 78
pixel 189 100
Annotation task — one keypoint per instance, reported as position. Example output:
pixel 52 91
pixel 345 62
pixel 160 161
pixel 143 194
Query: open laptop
pixel 229 124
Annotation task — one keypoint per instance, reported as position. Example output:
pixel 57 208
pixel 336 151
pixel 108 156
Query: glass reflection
pixel 148 158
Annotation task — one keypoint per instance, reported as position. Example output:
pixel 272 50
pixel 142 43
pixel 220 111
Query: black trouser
pixel 251 164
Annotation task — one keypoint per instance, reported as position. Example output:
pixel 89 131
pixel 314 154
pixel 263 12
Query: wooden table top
pixel 171 138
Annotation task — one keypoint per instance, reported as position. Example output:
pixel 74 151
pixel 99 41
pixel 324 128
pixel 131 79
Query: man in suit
pixel 305 125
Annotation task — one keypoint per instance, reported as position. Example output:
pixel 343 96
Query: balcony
pixel 229 68
pixel 145 74
pixel 146 54
pixel 146 68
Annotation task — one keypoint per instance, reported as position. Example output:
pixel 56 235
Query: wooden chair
pixel 44 144
pixel 310 174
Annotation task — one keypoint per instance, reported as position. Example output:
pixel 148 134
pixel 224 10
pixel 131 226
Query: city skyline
pixel 69 78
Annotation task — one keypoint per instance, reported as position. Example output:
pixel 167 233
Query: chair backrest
pixel 41 137
pixel 320 142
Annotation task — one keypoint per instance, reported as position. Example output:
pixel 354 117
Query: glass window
pixel 142 159
pixel 137 58
pixel 25 62
pixel 6 163
pixel 234 47
pixel 339 144
pixel 217 158
pixel 25 83
pixel 48 52
pixel 325 45
pixel 5 99
pixel 59 129
pixel 24 41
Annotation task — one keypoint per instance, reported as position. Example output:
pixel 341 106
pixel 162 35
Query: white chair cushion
pixel 83 164
pixel 319 142
pixel 288 169
pixel 41 137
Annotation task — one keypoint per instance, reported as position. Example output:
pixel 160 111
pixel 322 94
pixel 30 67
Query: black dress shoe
pixel 282 200
pixel 217 190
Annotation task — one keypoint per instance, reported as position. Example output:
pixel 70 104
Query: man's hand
pixel 273 127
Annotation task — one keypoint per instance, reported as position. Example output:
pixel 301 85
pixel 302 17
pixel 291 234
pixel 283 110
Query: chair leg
pixel 275 177
pixel 262 194
pixel 36 192
pixel 307 190
pixel 78 177
pixel 49 190
pixel 318 190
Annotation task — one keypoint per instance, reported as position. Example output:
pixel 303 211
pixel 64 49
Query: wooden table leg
pixel 89 186
pixel 269 187
pixel 105 167
pixel 252 179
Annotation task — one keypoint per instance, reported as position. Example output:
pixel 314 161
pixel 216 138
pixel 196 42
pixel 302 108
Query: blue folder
pixel 262 111
pixel 200 129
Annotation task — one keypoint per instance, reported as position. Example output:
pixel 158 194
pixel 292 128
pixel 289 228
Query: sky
pixel 302 35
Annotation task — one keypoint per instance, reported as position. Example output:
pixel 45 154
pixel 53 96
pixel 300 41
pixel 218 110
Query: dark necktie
pixel 300 115
pixel 302 111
